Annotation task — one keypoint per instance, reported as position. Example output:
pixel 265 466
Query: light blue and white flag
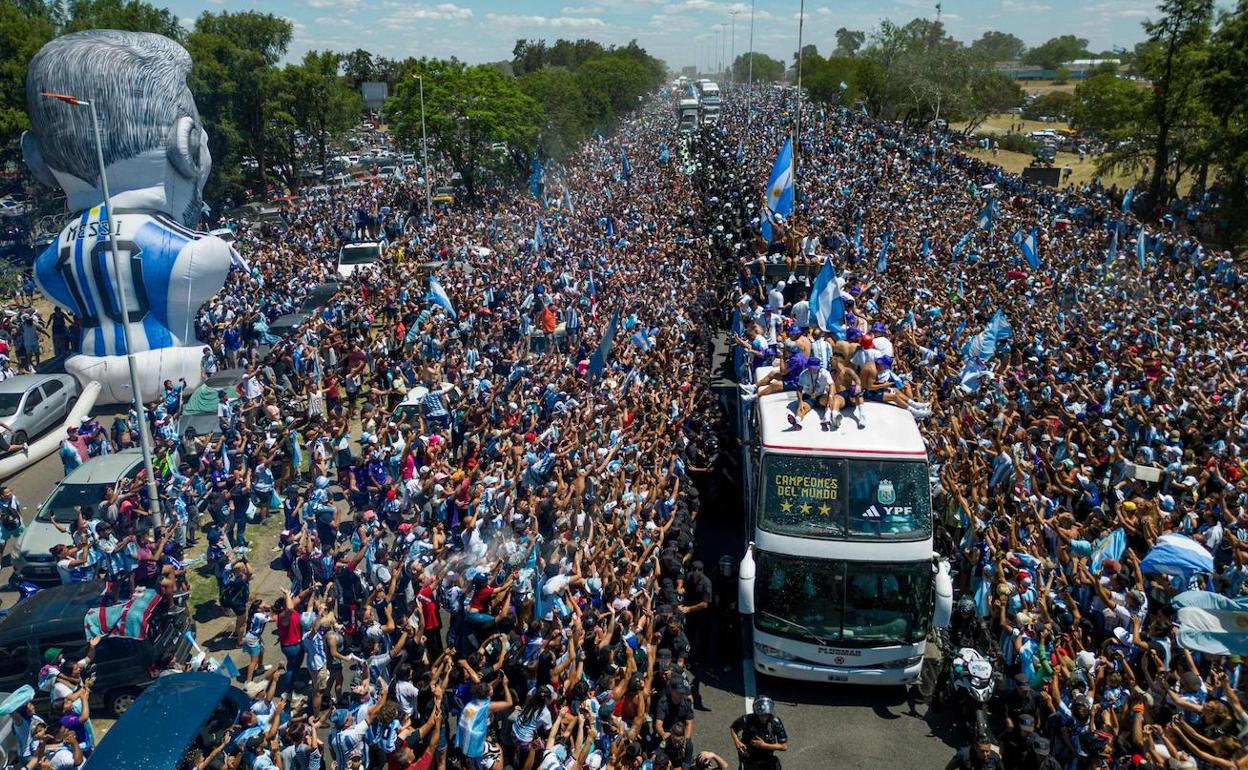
pixel 1212 623
pixel 961 244
pixel 1030 246
pixel 827 301
pixel 1110 546
pixel 438 296
pixel 1177 555
pixel 780 187
pixel 1127 199
pixel 1113 246
pixel 881 262
pixel 1141 248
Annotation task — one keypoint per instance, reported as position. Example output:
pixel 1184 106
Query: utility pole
pixel 732 59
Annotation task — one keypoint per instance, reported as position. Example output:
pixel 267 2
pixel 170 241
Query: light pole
pixel 749 88
pixel 424 148
pixel 145 441
pixel 732 58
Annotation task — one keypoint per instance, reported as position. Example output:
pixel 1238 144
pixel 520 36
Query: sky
pixel 681 33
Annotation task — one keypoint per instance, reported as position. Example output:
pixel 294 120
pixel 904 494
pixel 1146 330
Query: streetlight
pixel 716 56
pixel 749 89
pixel 145 442
pixel 732 60
pixel 424 148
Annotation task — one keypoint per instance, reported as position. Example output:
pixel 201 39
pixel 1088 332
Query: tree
pixel 848 41
pixel 358 66
pixel 468 109
pixel 1108 106
pixel 612 85
pixel 809 51
pixel 1061 77
pixel 22 34
pixel 765 68
pixel 991 92
pixel 568 122
pixel 1054 103
pixel 1174 65
pixel 528 56
pixel 998 46
pixel 132 15
pixel 233 55
pixel 823 79
pixel 326 105
pixel 1057 51
pixel 1225 89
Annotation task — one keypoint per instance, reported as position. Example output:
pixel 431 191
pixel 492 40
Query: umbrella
pixel 1177 555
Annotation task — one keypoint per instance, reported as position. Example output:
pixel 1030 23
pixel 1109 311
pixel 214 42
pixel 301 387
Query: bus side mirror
pixel 745 582
pixel 943 586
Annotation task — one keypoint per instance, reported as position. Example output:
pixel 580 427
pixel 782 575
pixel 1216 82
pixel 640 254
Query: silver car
pixel 31 404
pixel 84 486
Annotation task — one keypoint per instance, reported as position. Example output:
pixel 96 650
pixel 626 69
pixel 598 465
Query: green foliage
pixel 468 110
pixel 1061 77
pixel 612 85
pixel 919 73
pixel 1224 88
pixel 765 69
pixel 1108 106
pixel 998 46
pixel 233 57
pixel 22 34
pixel 822 79
pixel 1013 142
pixel 132 15
pixel 1057 51
pixel 991 92
pixel 1057 104
pixel 568 119
pixel 323 105
pixel 848 41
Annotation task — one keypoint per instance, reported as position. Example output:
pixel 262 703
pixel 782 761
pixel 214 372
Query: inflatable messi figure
pixel 156 154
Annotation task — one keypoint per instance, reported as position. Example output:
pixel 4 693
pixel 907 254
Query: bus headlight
pixel 767 649
pixel 903 663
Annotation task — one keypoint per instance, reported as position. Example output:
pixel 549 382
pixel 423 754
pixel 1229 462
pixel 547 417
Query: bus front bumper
pixel 812 672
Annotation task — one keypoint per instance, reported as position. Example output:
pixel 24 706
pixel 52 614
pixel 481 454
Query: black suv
pixel 53 618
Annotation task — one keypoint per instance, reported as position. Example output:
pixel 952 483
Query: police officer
pixel 758 736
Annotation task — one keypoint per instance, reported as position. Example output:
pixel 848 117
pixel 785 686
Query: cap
pixel 1040 746
pixel 52 655
pixel 339 718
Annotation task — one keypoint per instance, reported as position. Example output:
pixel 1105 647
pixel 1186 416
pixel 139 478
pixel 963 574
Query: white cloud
pixel 345 5
pixel 554 22
pixel 405 15
pixel 823 10
pixel 186 22
pixel 295 24
pixel 582 9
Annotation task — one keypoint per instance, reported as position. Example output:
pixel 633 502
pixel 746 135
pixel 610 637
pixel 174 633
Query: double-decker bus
pixel 840 579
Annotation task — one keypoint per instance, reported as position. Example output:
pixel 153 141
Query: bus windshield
pixel 845 498
pixel 822 601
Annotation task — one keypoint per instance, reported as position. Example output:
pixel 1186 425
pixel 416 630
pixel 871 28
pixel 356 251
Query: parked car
pixel 353 256
pixel 85 485
pixel 11 208
pixel 285 325
pixel 318 297
pixel 146 738
pixel 53 619
pixel 198 416
pixel 444 194
pixel 31 404
pixel 1045 153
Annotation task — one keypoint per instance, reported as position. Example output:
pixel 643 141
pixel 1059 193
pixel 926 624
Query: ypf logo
pixel 885 493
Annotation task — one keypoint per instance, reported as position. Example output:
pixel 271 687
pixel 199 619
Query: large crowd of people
pixel 489 515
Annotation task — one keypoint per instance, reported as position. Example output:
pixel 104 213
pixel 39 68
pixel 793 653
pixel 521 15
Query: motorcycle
pixel 972 682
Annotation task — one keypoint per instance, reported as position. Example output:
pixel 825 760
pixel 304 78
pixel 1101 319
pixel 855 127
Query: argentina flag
pixel 438 296
pixel 827 302
pixel 780 187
